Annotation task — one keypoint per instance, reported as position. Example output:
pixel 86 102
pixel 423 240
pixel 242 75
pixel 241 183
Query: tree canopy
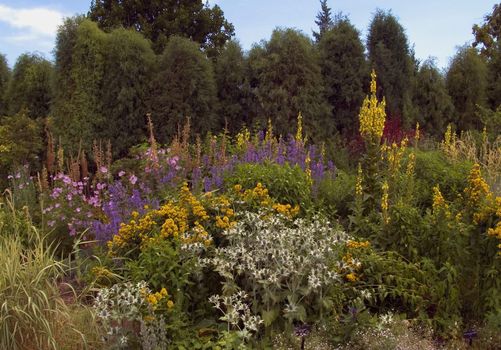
pixel 4 80
pixel 158 20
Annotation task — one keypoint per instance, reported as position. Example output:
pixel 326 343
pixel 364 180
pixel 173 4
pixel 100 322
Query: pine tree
pixel 344 70
pixel 324 20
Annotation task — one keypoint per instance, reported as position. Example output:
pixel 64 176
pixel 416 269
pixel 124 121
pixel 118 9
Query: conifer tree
pixel 183 87
pixel 286 79
pixel 30 87
pixel 466 82
pixel 323 21
pixel 344 71
pixel 431 99
pixel 232 91
pixel 390 56
pixel 4 80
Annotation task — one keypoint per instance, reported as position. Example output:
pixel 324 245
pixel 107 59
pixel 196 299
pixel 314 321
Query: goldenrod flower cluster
pixel 385 202
pixel 439 203
pixel 372 115
pixel 353 265
pixel 155 300
pixel 357 245
pixel 448 145
pixel 242 138
pixel 358 185
pixel 307 162
pixel 394 155
pixel 286 209
pixel 477 189
pixel 299 132
pixel 496 231
pixel 411 164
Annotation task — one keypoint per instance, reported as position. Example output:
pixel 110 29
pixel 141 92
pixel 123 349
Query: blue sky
pixel 434 27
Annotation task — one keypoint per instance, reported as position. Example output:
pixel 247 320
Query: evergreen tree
pixel 184 86
pixel 324 20
pixel 128 66
pixel 80 63
pixel 467 82
pixel 157 20
pixel 390 56
pixel 432 101
pixel 30 86
pixel 344 71
pixel 4 81
pixel 286 79
pixel 232 88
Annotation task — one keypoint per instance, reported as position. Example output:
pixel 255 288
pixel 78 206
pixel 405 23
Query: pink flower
pixel 121 173
pixel 133 179
pixel 103 169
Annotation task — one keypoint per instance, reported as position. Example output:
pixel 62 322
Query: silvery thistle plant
pixel 283 265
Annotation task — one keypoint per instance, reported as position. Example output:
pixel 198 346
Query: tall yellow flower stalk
pixel 372 115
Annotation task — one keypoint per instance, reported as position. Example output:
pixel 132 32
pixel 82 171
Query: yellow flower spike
pixel 384 202
pixel 372 115
pixel 299 133
pixel 358 185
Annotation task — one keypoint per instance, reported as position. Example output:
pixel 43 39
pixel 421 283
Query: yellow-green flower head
pixel 372 115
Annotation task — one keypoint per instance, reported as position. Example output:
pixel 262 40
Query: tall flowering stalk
pixel 372 115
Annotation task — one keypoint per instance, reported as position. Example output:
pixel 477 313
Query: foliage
pixel 323 21
pixel 289 184
pixel 30 88
pixel 127 70
pixel 286 80
pixel 4 81
pixel 344 71
pixel 20 143
pixel 432 101
pixel 466 83
pixel 487 34
pixel 335 196
pixel 160 20
pixel 390 56
pixel 285 267
pixel 184 87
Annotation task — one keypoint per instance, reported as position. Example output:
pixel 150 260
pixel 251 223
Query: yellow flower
pixel 356 245
pixel 384 202
pixel 170 304
pixel 352 277
pixel 372 115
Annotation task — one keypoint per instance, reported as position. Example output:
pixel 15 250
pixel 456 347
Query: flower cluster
pixel 236 313
pixel 372 115
pixel 496 231
pixel 155 300
pixel 477 189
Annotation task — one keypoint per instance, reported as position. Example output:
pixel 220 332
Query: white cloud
pixel 37 22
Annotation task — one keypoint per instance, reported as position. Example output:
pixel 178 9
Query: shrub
pixel 289 184
pixel 335 196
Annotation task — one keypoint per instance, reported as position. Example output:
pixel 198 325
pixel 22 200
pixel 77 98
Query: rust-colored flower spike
pixel 372 115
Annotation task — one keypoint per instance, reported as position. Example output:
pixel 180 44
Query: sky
pixel 435 28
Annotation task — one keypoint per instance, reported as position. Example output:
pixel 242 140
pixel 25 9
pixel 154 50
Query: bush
pixel 335 196
pixel 289 184
pixel 432 168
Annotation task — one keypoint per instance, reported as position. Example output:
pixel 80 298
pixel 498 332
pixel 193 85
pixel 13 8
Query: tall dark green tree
pixel 184 86
pixel 344 71
pixel 432 101
pixel 4 81
pixel 390 56
pixel 80 64
pixel 128 68
pixel 323 21
pixel 487 38
pixel 157 20
pixel 286 79
pixel 466 82
pixel 232 91
pixel 31 86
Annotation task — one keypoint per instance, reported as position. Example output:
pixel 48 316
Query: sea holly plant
pixel 284 265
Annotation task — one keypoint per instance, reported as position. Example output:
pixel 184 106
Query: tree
pixel 80 63
pixel 487 37
pixel 432 101
pixel 324 20
pixel 129 61
pixel 232 91
pixel 184 86
pixel 158 20
pixel 466 82
pixel 344 70
pixel 390 56
pixel 30 87
pixel 286 79
pixel 4 80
